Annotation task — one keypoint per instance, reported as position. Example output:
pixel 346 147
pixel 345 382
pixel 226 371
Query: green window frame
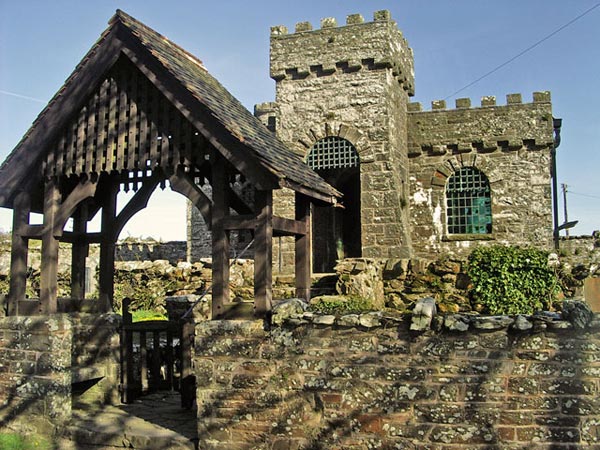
pixel 468 202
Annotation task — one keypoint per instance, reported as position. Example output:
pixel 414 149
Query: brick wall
pixel 367 381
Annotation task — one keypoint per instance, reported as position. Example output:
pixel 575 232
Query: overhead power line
pixel 531 47
pixel 585 195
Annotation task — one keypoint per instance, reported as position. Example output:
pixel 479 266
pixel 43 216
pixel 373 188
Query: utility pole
pixel 564 189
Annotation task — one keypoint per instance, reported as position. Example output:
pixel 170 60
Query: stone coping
pixel 294 312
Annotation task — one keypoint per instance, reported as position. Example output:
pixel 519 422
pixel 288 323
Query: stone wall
pixel 351 82
pixel 510 144
pixel 581 250
pixel 42 356
pixel 357 382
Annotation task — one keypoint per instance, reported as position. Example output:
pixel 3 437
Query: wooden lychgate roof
pixel 138 102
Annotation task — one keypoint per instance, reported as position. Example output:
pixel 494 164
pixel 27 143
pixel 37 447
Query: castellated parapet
pixel 490 127
pixel 356 46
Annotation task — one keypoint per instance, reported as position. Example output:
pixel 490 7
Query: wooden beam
pixel 303 248
pixel 67 208
pixel 220 237
pixel 30 231
pixel 79 253
pixel 107 247
pixel 75 238
pixel 49 263
pixel 138 202
pixel 263 254
pixel 241 222
pixel 237 203
pixel 288 227
pixel 18 254
pixel 320 196
pixel 184 184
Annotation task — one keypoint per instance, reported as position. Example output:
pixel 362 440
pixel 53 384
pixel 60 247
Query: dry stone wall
pixel 367 381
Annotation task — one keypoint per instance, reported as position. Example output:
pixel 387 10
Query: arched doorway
pixel 336 231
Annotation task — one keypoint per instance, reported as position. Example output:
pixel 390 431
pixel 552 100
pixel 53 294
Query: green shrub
pixel 512 280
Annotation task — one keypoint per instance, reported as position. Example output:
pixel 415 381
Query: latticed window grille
pixel 332 152
pixel 468 199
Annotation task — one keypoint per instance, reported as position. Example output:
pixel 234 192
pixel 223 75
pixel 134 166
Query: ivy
pixel 512 280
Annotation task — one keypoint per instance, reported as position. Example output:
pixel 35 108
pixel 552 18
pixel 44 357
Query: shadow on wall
pixel 321 382
pixel 51 361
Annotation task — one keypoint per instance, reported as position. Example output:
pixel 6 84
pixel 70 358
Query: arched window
pixel 468 201
pixel 332 153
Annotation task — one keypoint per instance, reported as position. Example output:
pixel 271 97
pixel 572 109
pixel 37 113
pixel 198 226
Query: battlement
pixel 334 49
pixel 486 101
pixel 482 129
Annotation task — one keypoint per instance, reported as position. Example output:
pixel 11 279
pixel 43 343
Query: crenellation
pixel 462 103
pixel 438 104
pixel 360 76
pixel 488 100
pixel 328 22
pixel 279 30
pixel 354 19
pixel 303 26
pixel 382 16
pixel 542 97
pixel 513 99
pixel 379 45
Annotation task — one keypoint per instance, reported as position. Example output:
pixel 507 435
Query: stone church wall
pixel 510 144
pixel 352 82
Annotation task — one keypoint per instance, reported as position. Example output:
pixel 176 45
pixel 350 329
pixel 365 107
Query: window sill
pixel 468 237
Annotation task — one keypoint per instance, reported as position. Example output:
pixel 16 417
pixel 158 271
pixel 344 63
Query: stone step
pixel 323 284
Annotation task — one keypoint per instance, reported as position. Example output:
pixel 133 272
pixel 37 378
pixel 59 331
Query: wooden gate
pixel 156 355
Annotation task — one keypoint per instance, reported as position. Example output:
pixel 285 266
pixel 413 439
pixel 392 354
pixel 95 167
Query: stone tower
pixel 341 104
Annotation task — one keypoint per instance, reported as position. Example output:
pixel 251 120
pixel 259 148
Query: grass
pixel 142 315
pixel 14 441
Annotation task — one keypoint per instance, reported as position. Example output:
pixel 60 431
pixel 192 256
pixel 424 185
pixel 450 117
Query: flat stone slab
pixel 155 422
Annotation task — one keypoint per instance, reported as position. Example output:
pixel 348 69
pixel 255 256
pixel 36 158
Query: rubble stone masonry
pixel 41 357
pixel 510 144
pixel 367 381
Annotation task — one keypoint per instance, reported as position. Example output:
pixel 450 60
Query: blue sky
pixel 454 43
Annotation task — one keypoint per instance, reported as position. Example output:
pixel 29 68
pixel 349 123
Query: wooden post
pixel 187 387
pixel 107 248
pixel 18 255
pixel 220 237
pixel 263 255
pixel 302 254
pixel 49 263
pixel 127 381
pixel 79 254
